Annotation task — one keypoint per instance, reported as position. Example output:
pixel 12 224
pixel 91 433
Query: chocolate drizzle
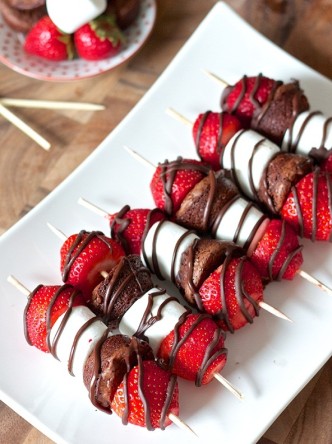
pixel 74 294
pixel 82 240
pixel 126 283
pixel 259 109
pixel 204 118
pixel 147 319
pixel 110 361
pixel 317 175
pixel 170 392
pixel 168 172
pixel 121 222
pixel 209 356
pixel 275 254
pixel 231 252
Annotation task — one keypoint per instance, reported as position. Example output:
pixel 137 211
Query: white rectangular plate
pixel 270 361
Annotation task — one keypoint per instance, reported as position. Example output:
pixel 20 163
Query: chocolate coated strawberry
pixel 278 254
pixel 45 305
pixel 194 350
pixel 147 396
pixel 84 256
pixel 173 180
pixel 232 293
pixel 308 207
pixel 211 132
pixel 129 227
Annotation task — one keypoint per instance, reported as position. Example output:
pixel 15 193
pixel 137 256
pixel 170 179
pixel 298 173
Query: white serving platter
pixel 269 361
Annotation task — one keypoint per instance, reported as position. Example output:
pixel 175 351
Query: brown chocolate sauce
pixel 231 252
pixel 147 410
pixel 168 175
pixel 112 294
pixel 121 223
pixel 82 240
pixel 317 173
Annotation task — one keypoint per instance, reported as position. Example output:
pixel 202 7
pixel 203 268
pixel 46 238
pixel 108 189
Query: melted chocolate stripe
pixel 123 224
pixel 241 294
pixel 329 191
pixel 31 296
pixel 210 357
pixel 94 383
pixel 81 242
pixel 221 214
pixel 200 130
pixel 298 210
pixel 314 203
pixel 169 396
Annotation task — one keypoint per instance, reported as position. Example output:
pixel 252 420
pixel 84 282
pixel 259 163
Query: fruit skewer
pixel 162 249
pixel 56 322
pixel 304 131
pixel 266 237
pixel 129 281
pixel 285 184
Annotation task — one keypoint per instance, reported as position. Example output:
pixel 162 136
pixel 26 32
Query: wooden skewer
pixel 50 104
pixel 213 76
pixel 57 232
pixel 17 284
pixel 181 424
pixel 175 419
pixel 26 129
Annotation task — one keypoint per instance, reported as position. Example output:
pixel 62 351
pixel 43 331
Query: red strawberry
pixel 195 349
pixel 45 305
pixel 84 256
pixel 47 41
pixel 246 96
pixel 278 253
pixel 211 132
pixel 128 226
pixel 232 293
pixel 172 181
pixel 98 39
pixel 308 206
pixel 141 399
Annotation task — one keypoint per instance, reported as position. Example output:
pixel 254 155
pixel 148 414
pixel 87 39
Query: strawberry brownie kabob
pixel 286 185
pixel 209 202
pixel 128 287
pixel 233 290
pixel 119 372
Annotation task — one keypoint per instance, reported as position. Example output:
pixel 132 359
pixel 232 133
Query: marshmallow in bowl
pixel 71 15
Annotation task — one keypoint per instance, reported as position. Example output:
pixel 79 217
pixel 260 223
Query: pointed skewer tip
pixel 315 281
pixel 274 311
pixel 229 386
pixel 181 424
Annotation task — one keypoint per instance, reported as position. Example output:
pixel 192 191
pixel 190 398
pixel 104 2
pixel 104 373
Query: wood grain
pixel 28 173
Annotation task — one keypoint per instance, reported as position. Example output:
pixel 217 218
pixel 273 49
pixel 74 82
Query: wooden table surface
pixel 28 173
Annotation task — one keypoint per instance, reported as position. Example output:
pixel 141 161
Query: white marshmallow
pixel 170 315
pixel 166 243
pixel 243 146
pixel 308 132
pixel 69 15
pixel 231 222
pixel 87 340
